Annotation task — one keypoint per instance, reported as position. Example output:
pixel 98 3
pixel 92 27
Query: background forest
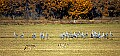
pixel 59 9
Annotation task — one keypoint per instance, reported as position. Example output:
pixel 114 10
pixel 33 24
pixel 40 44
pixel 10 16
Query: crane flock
pixel 68 35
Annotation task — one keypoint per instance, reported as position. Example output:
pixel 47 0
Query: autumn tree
pixel 77 9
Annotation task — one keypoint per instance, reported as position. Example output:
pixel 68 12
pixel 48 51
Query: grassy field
pixel 55 30
pixel 76 47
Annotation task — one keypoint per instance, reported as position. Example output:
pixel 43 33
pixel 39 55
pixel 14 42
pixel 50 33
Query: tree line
pixel 59 9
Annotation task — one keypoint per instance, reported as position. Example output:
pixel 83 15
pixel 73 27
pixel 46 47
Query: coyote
pixel 29 46
pixel 63 45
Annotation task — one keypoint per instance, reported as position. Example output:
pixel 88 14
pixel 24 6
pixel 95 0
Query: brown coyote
pixel 29 47
pixel 63 45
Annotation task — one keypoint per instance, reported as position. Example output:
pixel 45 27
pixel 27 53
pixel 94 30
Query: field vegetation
pixel 55 30
pixel 10 46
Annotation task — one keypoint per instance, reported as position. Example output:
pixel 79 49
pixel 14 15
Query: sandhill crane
pixel 75 35
pixel 66 34
pixel 42 35
pixel 106 35
pixel 22 35
pixel 47 35
pixel 103 35
pixel 70 35
pixel 111 34
pixel 99 34
pixel 95 34
pixel 34 35
pixel 86 34
pixel 62 36
pixel 78 33
pixel 92 34
pixel 82 34
pixel 15 35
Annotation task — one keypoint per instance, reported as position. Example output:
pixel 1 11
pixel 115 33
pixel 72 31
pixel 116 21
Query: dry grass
pixel 76 47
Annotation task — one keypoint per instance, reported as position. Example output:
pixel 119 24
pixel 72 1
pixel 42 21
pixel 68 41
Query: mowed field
pixel 10 46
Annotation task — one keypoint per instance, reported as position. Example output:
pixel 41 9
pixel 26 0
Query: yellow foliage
pixel 77 6
pixel 80 7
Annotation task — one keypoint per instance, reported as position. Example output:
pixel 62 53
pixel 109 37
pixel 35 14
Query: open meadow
pixel 10 46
